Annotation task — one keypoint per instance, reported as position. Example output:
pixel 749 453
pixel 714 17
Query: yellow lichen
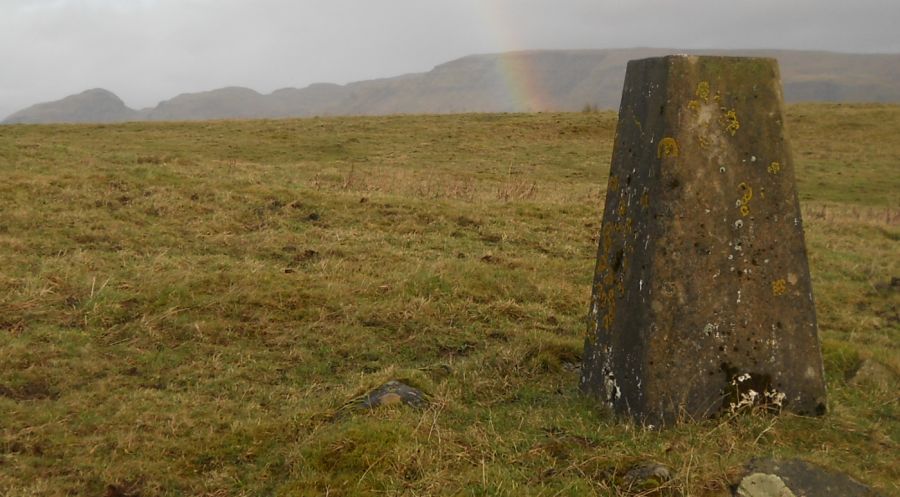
pixel 703 141
pixel 748 192
pixel 744 201
pixel 703 90
pixel 694 105
pixel 732 124
pixel 645 200
pixel 622 209
pixel 607 239
pixel 667 147
pixel 610 314
pixel 637 123
pixel 778 287
pixel 608 279
pixel 608 319
pixel 774 168
pixel 613 184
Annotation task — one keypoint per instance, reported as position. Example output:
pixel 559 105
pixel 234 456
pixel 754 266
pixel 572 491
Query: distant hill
pixel 545 80
pixel 231 102
pixel 90 106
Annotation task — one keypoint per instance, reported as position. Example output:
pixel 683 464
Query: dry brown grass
pixel 184 306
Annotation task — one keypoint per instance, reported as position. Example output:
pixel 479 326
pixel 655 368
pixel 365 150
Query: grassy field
pixel 184 307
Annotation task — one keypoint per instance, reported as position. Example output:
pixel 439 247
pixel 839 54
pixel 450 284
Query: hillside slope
pixel 545 80
pixel 96 105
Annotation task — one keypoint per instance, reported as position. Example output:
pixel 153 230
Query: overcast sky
pixel 150 50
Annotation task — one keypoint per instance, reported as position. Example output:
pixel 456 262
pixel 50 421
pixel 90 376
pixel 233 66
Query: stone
pixel 763 485
pixel 389 394
pixel 702 302
pixel 438 372
pixel 802 479
pixel 648 472
pixel 392 393
pixel 873 374
pixel 892 285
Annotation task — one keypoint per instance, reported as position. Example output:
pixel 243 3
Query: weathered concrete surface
pixel 702 301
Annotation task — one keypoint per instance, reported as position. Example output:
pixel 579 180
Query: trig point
pixel 702 302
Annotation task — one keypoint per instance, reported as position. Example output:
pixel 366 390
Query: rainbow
pixel 517 67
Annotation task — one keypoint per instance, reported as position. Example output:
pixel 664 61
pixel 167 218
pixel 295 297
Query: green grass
pixel 184 306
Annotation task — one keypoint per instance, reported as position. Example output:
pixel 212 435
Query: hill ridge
pixel 568 80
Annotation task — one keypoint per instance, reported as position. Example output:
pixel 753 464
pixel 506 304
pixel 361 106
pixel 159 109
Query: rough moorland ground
pixel 184 306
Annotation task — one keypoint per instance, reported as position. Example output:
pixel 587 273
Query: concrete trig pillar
pixel 702 301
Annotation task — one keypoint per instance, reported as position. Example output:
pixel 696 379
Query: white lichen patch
pixel 749 398
pixel 775 398
pixel 740 379
pixel 613 392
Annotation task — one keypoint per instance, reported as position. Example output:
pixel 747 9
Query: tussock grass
pixel 184 307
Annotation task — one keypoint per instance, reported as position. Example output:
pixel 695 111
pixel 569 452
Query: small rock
pixel 118 491
pixel 889 286
pixel 437 372
pixel 391 393
pixel 763 485
pixel 873 373
pixel 571 366
pixel 642 473
pixel 801 479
